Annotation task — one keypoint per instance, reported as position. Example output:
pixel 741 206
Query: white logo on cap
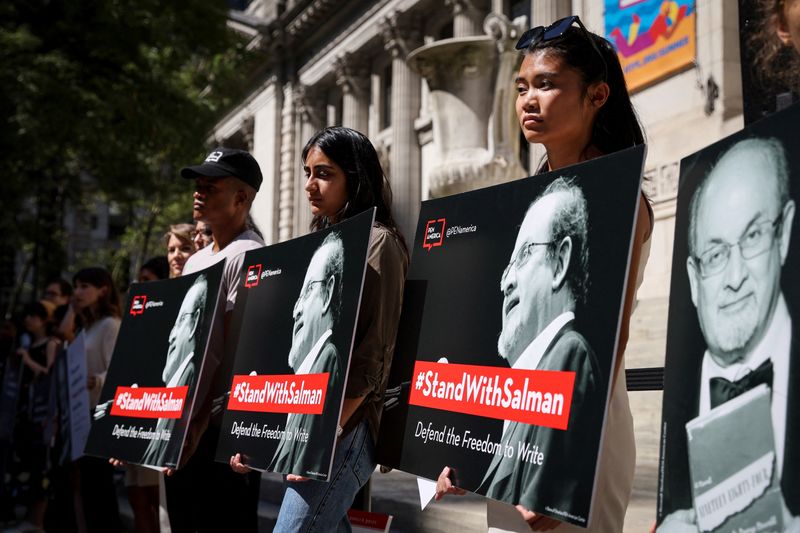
pixel 213 157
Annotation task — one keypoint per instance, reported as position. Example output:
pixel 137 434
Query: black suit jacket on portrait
pixel 677 490
pixel 305 458
pixel 165 453
pixel 565 480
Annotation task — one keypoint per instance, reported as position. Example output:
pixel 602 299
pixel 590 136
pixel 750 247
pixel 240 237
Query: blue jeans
pixel 322 506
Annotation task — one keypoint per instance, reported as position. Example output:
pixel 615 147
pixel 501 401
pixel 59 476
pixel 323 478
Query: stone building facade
pixel 359 64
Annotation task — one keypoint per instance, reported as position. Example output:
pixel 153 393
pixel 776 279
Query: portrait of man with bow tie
pixel 739 230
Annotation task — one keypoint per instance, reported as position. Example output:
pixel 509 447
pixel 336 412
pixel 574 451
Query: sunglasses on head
pixel 554 31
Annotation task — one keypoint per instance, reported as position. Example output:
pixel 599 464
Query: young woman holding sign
pixel 95 312
pixel 572 99
pixel 344 178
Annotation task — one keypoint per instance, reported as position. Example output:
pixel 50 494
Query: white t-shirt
pixel 233 253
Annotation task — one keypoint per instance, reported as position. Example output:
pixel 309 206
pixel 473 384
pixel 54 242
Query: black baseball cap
pixel 223 162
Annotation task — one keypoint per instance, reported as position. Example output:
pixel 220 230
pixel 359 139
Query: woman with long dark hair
pixel 95 313
pixel 573 100
pixel 344 178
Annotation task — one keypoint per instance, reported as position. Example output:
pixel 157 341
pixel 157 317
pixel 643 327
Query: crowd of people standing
pixel 572 99
pixel 56 493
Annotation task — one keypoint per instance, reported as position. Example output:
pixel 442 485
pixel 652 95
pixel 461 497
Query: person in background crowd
pixel 95 313
pixel 180 247
pixel 154 269
pixel 203 495
pixel 344 178
pixel 202 235
pixel 58 291
pixel 776 40
pixel 30 481
pixel 572 99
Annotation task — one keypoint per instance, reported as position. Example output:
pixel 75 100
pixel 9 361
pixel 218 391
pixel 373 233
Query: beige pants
pixel 614 476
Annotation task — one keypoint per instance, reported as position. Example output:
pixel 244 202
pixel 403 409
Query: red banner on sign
pixel 282 393
pixel 369 521
pixel 149 402
pixel 539 397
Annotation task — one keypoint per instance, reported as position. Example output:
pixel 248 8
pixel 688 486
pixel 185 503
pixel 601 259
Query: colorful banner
pixel 653 38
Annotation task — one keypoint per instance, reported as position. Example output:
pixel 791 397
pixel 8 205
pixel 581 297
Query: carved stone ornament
pixel 478 136
pixel 352 74
pixel 400 33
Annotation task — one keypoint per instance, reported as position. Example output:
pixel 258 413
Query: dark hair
pixel 616 125
pixel 36 309
pixel 108 304
pixel 63 285
pixel 775 61
pixel 157 265
pixel 571 220
pixel 367 185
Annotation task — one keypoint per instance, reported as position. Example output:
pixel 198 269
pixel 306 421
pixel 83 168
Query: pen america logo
pixel 434 233
pixel 253 276
pixel 140 303
pixel 137 304
pixel 256 274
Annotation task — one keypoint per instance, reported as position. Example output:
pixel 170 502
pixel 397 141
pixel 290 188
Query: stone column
pixel 401 35
pixel 287 169
pixel 545 12
pixel 352 77
pixel 466 18
pixel 311 117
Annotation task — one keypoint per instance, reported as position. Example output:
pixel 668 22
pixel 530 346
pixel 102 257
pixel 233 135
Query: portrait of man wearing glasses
pixel 316 313
pixel 181 365
pixel 740 221
pixel 543 286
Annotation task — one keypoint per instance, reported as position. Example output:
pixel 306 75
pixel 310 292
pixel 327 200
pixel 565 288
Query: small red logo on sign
pixel 253 276
pixel 137 305
pixel 434 233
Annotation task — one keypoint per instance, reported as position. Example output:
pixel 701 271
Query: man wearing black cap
pixel 204 495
